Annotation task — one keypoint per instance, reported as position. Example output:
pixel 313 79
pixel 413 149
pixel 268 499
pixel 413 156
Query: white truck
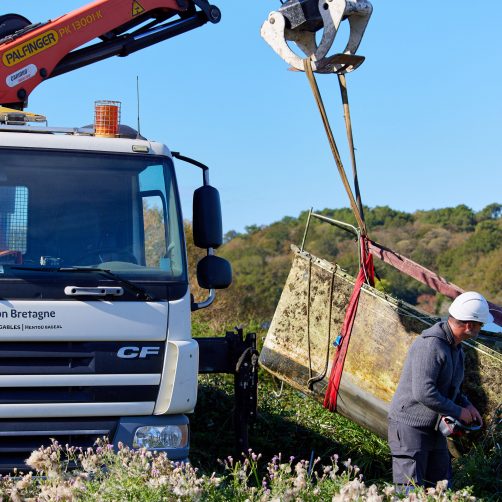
pixel 95 302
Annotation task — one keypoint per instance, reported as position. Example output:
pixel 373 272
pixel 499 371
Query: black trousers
pixel 419 455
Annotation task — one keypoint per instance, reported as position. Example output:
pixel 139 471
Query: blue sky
pixel 426 108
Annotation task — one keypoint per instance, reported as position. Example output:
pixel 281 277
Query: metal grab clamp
pixel 298 21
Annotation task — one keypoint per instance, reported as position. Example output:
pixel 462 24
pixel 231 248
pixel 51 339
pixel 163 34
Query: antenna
pixel 137 100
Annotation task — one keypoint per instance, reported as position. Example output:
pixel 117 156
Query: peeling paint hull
pixel 299 344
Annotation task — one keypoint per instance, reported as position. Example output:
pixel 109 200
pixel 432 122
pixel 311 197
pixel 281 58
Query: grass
pixel 301 449
pixel 481 464
pixel 289 423
pixel 295 426
pixel 140 475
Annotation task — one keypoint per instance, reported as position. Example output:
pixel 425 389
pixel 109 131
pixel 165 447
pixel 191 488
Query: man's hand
pixel 470 414
pixel 476 416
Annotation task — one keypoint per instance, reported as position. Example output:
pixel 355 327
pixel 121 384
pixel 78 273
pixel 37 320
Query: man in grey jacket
pixel 429 387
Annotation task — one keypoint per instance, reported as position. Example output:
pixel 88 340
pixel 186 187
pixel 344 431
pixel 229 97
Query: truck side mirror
pixel 207 224
pixel 214 272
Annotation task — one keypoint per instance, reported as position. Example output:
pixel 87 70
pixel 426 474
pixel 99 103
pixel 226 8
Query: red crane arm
pixel 37 52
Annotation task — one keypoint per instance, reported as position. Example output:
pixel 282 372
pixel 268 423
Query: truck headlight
pixel 161 437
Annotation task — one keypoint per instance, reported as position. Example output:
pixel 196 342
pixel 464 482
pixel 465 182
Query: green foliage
pixel 252 229
pixel 201 329
pixel 475 262
pixel 155 239
pixel 384 216
pixel 382 285
pixel 459 218
pixel 104 475
pixel 490 212
pixel 481 468
pixel 231 234
pixel 463 246
pixel 302 425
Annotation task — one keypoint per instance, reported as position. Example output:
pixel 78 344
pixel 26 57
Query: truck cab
pixel 95 301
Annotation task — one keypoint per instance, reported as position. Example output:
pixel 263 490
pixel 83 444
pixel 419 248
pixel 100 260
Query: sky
pixel 426 109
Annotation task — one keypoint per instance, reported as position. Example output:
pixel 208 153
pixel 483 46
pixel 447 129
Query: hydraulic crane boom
pixel 31 53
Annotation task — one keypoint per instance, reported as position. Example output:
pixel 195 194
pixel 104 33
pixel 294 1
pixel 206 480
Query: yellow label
pixel 137 8
pixel 30 48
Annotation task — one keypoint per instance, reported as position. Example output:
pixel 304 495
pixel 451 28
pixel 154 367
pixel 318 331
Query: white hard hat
pixel 470 306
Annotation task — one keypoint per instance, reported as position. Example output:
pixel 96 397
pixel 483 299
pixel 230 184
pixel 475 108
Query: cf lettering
pixel 137 352
pixel 128 352
pixel 148 351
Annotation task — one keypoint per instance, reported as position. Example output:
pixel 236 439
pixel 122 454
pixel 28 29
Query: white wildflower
pixel 60 492
pixel 372 494
pixel 24 482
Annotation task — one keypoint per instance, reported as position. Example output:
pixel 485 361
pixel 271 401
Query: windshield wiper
pixel 32 269
pixel 137 290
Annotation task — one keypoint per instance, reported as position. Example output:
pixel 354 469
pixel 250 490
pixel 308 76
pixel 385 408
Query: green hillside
pixel 462 245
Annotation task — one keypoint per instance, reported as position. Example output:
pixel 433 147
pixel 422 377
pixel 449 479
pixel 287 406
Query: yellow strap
pixel 317 95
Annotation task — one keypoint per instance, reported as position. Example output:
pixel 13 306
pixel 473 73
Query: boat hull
pixel 299 344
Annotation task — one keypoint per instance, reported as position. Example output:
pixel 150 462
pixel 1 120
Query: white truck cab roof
pixel 81 139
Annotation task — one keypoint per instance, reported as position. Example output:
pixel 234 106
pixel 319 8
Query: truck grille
pixel 91 394
pixel 75 358
pixel 57 389
pixel 19 438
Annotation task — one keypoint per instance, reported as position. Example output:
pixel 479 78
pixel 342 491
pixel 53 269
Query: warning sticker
pixel 137 8
pixel 30 48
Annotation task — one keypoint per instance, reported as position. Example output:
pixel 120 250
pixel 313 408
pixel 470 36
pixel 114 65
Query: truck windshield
pixel 80 209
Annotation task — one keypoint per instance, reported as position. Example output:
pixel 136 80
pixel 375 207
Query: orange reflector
pixel 106 118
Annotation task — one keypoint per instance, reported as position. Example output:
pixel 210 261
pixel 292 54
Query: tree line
pixel 460 244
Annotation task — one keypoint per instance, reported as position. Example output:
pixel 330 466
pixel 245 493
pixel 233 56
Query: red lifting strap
pixel 425 276
pixel 366 274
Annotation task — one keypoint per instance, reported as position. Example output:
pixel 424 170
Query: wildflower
pixel 24 482
pixel 60 492
pixel 353 490
pixel 39 460
pixel 300 481
pixel 372 494
pixel 90 463
pixel 14 496
pixel 288 496
pixel 214 480
pixel 241 474
pixel 389 490
pixel 441 486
